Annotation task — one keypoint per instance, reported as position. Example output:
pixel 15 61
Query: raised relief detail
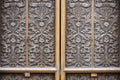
pixel 78 33
pixel 78 77
pixel 12 33
pixel 107 33
pixel 41 33
pixel 108 77
pixel 11 77
pixel 42 77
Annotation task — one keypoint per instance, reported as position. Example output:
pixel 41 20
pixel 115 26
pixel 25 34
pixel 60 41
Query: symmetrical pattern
pixel 78 33
pixel 12 33
pixel 11 77
pixel 41 33
pixel 78 77
pixel 108 77
pixel 22 77
pixel 107 33
pixel 42 77
pixel 88 77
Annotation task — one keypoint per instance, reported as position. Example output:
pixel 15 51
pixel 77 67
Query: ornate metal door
pixel 29 39
pixel 90 40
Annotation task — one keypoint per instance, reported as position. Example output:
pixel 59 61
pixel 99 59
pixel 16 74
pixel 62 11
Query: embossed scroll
pixel 78 77
pixel 42 77
pixel 41 33
pixel 11 77
pixel 12 33
pixel 88 77
pixel 108 77
pixel 78 33
pixel 32 77
pixel 107 31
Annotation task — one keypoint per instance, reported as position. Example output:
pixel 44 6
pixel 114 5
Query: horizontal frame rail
pixel 92 70
pixel 30 70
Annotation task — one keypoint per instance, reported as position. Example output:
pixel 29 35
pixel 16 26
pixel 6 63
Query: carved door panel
pixel 29 39
pixel 90 40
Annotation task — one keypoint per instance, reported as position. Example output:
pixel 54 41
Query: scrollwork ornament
pixel 12 51
pixel 78 33
pixel 107 33
pixel 41 33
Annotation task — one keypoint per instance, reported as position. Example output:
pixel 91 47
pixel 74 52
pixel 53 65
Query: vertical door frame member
pixel 57 39
pixel 26 37
pixel 63 39
pixel 92 34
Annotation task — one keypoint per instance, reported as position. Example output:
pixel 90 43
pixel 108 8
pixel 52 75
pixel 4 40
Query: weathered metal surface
pixel 108 77
pixel 12 33
pixel 42 77
pixel 78 77
pixel 78 33
pixel 42 33
pixel 11 77
pixel 107 31
pixel 22 77
pixel 88 77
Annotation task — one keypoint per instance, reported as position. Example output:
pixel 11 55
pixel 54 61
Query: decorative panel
pixel 78 77
pixel 107 33
pixel 42 33
pixel 88 77
pixel 108 77
pixel 78 33
pixel 42 77
pixel 11 77
pixel 12 33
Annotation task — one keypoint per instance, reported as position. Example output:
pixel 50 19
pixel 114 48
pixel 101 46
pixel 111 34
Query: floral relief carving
pixel 107 33
pixel 11 77
pixel 108 77
pixel 42 77
pixel 12 38
pixel 78 77
pixel 78 33
pixel 41 33
pixel 88 77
